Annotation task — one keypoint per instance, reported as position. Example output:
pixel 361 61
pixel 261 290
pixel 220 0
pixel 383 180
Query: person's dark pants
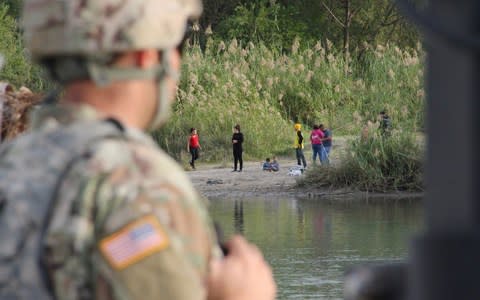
pixel 237 157
pixel 300 157
pixel 194 153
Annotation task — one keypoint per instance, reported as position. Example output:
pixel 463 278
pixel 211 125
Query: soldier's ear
pixel 145 59
pixel 175 60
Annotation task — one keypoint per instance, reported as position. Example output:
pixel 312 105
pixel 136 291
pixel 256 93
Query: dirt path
pixel 217 181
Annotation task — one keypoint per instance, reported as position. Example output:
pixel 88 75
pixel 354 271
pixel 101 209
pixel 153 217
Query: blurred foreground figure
pixel 91 208
pixel 376 282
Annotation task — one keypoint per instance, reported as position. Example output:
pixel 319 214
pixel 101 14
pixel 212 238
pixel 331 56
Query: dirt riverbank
pixel 216 181
pixel 220 182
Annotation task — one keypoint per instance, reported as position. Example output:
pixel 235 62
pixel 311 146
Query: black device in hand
pixel 220 238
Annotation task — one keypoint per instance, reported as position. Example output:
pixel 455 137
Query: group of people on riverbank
pixel 321 141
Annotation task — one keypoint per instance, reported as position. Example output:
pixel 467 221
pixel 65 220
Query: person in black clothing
pixel 385 126
pixel 237 140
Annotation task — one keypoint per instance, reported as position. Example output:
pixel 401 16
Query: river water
pixel 310 243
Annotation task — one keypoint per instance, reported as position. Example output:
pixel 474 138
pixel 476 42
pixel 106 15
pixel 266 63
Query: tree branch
pixel 353 13
pixel 333 15
pixel 384 24
pixel 390 12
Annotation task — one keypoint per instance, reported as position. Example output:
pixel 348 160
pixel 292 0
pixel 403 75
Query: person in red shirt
pixel 316 139
pixel 193 146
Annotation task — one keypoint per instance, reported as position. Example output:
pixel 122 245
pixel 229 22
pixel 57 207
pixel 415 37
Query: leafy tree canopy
pixel 278 23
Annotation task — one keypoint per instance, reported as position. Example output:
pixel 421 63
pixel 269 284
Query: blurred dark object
pixel 376 282
pixel 220 238
pixel 444 261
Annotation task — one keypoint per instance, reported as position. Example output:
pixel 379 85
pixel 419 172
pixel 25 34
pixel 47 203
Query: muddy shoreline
pixel 219 182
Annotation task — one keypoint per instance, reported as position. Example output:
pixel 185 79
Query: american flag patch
pixel 134 242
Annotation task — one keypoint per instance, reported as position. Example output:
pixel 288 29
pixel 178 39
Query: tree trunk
pixel 346 34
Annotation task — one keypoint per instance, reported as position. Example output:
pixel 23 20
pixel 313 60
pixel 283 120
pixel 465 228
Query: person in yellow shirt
pixel 298 145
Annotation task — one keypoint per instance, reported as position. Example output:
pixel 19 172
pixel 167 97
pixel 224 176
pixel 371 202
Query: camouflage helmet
pixel 57 32
pixel 91 27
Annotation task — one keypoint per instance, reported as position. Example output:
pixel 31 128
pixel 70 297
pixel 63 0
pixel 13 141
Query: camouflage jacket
pixel 128 223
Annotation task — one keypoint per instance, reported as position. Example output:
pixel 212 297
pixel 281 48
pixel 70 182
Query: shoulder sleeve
pixel 156 243
pixel 145 231
pixel 148 258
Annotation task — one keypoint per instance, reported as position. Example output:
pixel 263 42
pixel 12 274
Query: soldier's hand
pixel 242 275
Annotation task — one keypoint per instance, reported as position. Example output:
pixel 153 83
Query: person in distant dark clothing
pixel 385 124
pixel 327 143
pixel 237 140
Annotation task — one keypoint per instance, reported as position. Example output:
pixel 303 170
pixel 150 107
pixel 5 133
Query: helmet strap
pixel 103 75
pixel 164 97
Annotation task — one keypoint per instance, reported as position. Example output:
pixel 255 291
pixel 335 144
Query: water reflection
pixel 238 216
pixel 300 222
pixel 310 244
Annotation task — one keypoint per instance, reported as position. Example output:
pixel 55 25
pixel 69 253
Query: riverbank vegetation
pixel 374 163
pixel 17 68
pixel 266 90
pixel 268 64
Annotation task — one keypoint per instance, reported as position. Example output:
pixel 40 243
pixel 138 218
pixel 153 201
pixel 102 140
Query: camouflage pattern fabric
pixel 128 223
pixel 55 27
pixel 32 168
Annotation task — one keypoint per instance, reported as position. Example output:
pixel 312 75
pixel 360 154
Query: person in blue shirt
pixel 327 143
pixel 267 166
pixel 274 164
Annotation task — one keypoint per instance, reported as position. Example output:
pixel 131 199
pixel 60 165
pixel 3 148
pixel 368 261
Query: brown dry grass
pixel 16 105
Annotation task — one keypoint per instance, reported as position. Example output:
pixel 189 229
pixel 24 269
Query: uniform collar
pixel 54 116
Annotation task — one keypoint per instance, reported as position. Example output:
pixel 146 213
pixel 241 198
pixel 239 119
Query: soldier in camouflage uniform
pixel 119 219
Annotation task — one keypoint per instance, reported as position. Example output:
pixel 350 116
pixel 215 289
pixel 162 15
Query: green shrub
pixel 17 68
pixel 375 163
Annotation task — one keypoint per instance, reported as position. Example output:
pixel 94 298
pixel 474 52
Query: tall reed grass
pixel 375 163
pixel 266 91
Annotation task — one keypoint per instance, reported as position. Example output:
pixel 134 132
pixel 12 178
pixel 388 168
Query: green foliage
pixel 18 69
pixel 263 22
pixel 375 163
pixel 213 96
pixel 14 7
pixel 266 91
pixel 277 23
pixel 270 79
